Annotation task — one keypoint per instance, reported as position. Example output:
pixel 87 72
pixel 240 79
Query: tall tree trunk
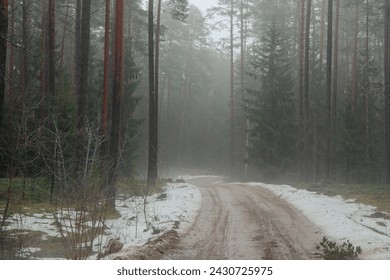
pixel 24 61
pixel 52 45
pixel 77 47
pixel 117 96
pixel 306 108
pixel 157 51
pixel 106 69
pixel 245 121
pixel 352 102
pixel 335 71
pixel 43 61
pixel 83 63
pixel 82 82
pixel 301 40
pixel 335 64
pixel 242 52
pixel 3 58
pixel 153 104
pixel 387 88
pixel 367 90
pixel 157 65
pixel 354 60
pixel 328 93
pixel 22 86
pixel 231 89
pixel 11 63
pixel 314 104
pixel 346 61
pixel 322 31
pixel 62 50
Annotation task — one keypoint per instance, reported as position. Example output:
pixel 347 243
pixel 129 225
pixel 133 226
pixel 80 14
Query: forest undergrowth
pixel 80 221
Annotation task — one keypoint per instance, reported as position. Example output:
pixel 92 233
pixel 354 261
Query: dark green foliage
pixel 330 250
pixel 271 108
pixel 358 156
pixel 34 190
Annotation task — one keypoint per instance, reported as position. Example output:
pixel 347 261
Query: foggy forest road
pixel 242 222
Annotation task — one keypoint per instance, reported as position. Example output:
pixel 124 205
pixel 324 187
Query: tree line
pixel 74 92
pixel 317 103
pixel 64 74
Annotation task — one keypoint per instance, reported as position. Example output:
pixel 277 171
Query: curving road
pixel 242 222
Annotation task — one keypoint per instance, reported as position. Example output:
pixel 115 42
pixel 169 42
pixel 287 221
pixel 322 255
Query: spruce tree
pixel 271 108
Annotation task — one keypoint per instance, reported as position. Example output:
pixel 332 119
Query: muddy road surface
pixel 242 222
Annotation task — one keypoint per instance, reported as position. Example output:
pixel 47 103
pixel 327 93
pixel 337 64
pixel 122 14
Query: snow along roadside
pixel 176 209
pixel 340 219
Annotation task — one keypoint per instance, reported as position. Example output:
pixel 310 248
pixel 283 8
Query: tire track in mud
pixel 279 234
pixel 246 222
pixel 212 242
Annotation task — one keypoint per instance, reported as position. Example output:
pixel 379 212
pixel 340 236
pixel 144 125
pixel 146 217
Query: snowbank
pixel 341 219
pixel 176 209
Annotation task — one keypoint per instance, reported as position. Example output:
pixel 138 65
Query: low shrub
pixel 330 250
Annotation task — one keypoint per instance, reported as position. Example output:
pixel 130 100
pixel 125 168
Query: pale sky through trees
pixel 203 5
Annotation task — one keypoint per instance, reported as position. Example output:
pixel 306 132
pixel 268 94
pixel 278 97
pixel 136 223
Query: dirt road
pixel 241 222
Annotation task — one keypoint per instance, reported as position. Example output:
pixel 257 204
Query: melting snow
pixel 341 219
pixel 176 208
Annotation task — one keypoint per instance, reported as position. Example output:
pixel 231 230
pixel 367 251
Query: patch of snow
pixel 35 222
pixel 175 209
pixel 340 219
pixel 25 253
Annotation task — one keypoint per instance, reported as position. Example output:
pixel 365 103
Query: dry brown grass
pixel 375 195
